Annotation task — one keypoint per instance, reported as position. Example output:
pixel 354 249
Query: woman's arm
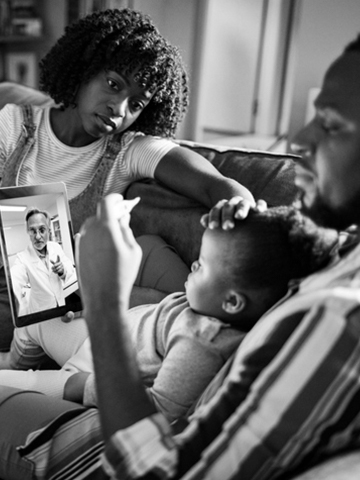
pixel 192 175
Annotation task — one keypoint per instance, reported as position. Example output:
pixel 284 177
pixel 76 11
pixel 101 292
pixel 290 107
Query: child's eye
pixel 195 266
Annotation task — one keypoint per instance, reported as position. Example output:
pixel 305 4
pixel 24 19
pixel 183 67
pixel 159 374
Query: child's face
pixel 205 286
pixel 110 103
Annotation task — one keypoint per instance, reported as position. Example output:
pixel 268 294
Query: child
pixel 185 339
pixel 120 91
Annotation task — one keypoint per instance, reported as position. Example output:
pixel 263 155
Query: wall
pixel 178 23
pixel 54 13
pixel 230 66
pixel 322 28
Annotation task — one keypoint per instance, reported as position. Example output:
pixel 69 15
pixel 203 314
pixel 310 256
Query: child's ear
pixel 234 302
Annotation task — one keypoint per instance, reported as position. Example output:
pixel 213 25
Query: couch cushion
pixel 268 176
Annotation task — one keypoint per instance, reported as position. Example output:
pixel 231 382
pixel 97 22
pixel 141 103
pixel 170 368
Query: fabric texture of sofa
pixel 269 176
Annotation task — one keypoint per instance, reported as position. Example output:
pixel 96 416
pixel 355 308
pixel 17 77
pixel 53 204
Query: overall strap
pixel 84 205
pixel 26 140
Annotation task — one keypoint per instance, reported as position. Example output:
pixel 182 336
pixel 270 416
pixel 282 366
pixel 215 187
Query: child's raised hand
pixel 225 212
pixel 108 256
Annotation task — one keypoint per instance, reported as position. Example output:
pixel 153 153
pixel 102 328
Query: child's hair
pixel 281 244
pixel 123 41
pixel 354 45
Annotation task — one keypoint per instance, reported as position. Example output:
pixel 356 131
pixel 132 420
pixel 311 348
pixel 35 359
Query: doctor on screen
pixel 41 270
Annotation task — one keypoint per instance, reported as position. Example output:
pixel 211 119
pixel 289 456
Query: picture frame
pixel 20 67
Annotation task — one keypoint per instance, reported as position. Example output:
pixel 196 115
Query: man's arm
pixel 291 392
pixel 115 255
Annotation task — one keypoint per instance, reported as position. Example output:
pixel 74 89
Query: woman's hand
pixel 108 256
pixel 225 212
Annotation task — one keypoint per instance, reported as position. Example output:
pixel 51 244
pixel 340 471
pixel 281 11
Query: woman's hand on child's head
pixel 225 212
pixel 108 256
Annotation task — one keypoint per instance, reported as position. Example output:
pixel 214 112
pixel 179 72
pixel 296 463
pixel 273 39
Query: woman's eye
pixel 136 106
pixel 112 84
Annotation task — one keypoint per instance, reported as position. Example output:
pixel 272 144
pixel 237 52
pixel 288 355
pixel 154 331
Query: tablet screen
pixel 37 250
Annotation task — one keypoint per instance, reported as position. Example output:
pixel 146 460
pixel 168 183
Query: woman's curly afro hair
pixel 122 41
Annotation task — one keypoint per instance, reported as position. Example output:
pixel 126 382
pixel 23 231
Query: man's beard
pixel 339 218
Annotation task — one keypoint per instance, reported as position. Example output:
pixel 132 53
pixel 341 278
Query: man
pixel 40 271
pixel 291 393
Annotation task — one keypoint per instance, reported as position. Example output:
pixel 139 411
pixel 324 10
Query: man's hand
pixel 108 259
pixel 57 266
pixel 225 212
pixel 70 316
pixel 108 256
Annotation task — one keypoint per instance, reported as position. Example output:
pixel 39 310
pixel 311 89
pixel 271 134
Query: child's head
pixel 242 272
pixel 126 42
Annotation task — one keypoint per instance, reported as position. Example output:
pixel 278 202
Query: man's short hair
pixel 35 211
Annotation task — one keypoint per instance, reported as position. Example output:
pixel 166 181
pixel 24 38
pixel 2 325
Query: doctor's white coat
pixel 46 287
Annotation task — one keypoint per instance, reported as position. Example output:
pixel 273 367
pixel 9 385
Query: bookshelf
pixel 29 28
pixel 21 32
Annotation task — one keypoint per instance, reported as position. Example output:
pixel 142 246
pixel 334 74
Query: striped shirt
pixel 291 396
pixel 52 161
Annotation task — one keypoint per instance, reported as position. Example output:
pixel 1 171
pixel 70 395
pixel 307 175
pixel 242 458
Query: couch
pixel 268 175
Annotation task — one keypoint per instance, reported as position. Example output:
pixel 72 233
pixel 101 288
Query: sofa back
pixel 269 176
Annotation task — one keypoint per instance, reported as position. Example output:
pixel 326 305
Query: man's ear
pixel 234 302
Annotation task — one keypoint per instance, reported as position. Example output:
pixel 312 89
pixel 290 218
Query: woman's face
pixel 110 103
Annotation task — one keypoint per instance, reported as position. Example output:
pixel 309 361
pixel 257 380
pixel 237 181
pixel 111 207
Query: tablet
pixel 38 256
